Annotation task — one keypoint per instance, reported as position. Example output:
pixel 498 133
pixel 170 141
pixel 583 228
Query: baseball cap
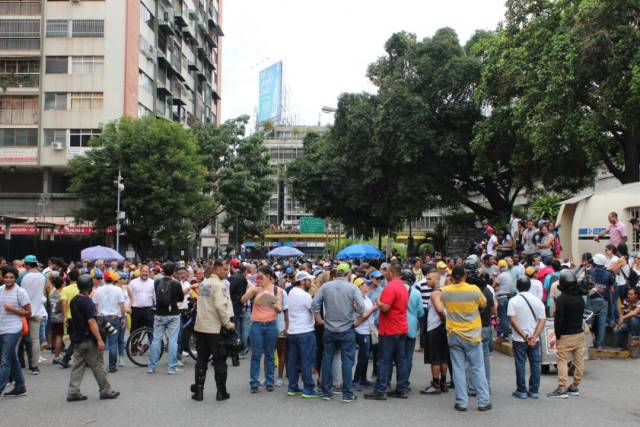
pixel 359 281
pixel 31 259
pixel 542 222
pixel 502 264
pixel 343 268
pixel 530 271
pixel 599 259
pixel 111 276
pixel 368 282
pixel 441 265
pixel 289 270
pixel 234 262
pixel 303 275
pixel 376 274
pixel 490 229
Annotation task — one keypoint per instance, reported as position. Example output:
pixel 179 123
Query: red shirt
pixel 394 321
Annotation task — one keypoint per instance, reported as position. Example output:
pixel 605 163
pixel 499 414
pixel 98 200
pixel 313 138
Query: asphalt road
pixel 609 397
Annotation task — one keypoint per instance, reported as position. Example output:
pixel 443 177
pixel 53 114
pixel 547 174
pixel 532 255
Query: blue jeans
pixel 264 336
pixel 630 327
pixel 409 348
pixel 463 352
pixel 9 366
pixel 486 352
pixel 391 349
pixel 246 328
pixel 43 329
pixel 521 352
pixel 599 319
pixel 111 341
pixel 302 352
pixel 346 343
pixel 121 333
pixel 364 345
pixel 503 327
pixel 170 325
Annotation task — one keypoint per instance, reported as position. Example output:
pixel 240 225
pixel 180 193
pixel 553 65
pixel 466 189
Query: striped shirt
pixel 425 293
pixel 462 303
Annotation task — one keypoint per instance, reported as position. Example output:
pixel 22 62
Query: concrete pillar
pixel 46 180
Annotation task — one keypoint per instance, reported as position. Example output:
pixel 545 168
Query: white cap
pixel 303 275
pixel 599 259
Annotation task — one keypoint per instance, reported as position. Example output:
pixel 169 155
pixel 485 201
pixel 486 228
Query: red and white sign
pixel 19 154
pixel 62 230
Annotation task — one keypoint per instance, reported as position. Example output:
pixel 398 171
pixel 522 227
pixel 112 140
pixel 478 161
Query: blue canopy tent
pixel 285 251
pixel 360 251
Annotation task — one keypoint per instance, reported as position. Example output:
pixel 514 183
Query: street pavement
pixel 609 397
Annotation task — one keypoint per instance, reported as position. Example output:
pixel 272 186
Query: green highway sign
pixel 311 225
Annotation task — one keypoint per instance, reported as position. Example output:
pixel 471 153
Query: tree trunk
pixel 631 151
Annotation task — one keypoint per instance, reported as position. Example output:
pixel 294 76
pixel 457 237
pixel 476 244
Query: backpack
pixel 163 292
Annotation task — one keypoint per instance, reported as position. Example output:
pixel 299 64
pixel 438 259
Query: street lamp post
pixel 120 188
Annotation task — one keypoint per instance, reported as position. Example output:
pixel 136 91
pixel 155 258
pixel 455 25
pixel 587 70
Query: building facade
pixel 69 66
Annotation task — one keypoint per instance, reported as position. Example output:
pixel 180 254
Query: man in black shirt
pixel 567 323
pixel 168 293
pixel 237 288
pixel 88 344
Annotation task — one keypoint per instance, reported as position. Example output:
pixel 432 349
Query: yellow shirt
pixel 66 294
pixel 462 303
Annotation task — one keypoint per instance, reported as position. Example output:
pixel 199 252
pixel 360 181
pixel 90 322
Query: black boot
pixel 235 360
pixel 198 388
pixel 221 385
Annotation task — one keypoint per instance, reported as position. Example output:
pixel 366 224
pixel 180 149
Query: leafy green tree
pixel 570 70
pixel 163 176
pixel 238 176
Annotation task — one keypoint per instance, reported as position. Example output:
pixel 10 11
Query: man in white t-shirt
pixel 492 242
pixel 33 282
pixel 109 301
pixel 527 315
pixel 143 296
pixel 536 285
pixel 301 336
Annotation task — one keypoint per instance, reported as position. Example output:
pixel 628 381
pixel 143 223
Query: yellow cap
pixel 359 281
pixel 502 264
pixel 441 265
pixel 530 271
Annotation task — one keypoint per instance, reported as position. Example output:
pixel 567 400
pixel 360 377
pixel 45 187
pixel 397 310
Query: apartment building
pixel 69 66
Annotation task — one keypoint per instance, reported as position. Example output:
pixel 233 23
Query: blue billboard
pixel 270 93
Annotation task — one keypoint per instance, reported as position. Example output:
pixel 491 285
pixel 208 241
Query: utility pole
pixel 119 215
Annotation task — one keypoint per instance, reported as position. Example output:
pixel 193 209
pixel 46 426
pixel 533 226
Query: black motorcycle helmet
pixel 472 267
pixel 408 277
pixel 568 281
pixel 85 283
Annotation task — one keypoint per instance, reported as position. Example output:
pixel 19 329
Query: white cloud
pixel 327 45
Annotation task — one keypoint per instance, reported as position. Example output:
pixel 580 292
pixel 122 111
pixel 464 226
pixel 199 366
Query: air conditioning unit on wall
pixel 57 145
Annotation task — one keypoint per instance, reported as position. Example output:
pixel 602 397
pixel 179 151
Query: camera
pixel 106 328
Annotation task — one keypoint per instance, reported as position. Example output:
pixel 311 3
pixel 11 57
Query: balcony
pixel 20 8
pixel 165 23
pixel 26 43
pixel 19 117
pixel 177 91
pixel 181 16
pixel 20 80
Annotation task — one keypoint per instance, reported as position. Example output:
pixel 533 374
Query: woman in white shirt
pixel 363 327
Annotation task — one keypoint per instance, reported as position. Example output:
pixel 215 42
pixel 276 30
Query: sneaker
pixel 459 407
pixel 76 398
pixel 110 395
pixel 375 396
pixel 573 391
pixel 349 399
pixel 432 389
pixel 533 395
pixel 312 394
pixel 35 371
pixel 269 387
pixel 180 364
pixel 121 362
pixel 559 393
pixel 185 354
pixel 399 394
pixel 327 397
pixel 41 359
pixel 16 393
pixel 294 392
pixel 151 371
pixel 113 369
pixel 278 382
pixel 174 371
pixel 254 390
pixel 485 408
pixel 519 394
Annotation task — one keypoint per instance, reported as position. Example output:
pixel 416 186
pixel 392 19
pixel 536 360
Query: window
pixel 18 137
pixel 54 135
pixel 57 28
pixel 19 66
pixel 143 111
pixel 82 101
pixel 145 82
pixel 19 28
pixel 81 137
pixel 87 28
pixel 87 65
pixel 57 65
pixel 55 101
pixel 146 16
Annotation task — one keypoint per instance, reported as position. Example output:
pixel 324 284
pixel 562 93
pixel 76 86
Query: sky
pixel 326 46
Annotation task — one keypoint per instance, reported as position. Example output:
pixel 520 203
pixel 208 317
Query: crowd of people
pixel 333 328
